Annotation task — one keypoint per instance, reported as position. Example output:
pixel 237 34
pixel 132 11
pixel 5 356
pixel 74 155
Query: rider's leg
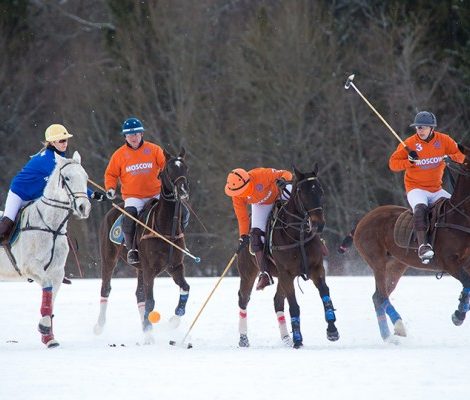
pixel 128 228
pixel 419 200
pixel 421 225
pixel 12 206
pixel 259 216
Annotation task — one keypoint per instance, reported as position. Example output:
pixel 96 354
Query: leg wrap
pixel 46 306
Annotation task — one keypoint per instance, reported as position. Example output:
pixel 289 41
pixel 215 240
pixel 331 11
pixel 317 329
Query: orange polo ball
pixel 154 317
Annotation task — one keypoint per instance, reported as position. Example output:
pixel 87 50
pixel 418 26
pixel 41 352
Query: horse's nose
pixel 84 208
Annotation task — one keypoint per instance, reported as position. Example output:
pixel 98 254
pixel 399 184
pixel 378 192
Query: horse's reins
pixel 303 225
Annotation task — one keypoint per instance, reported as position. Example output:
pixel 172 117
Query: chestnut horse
pixel 295 250
pixel 155 254
pixel 374 239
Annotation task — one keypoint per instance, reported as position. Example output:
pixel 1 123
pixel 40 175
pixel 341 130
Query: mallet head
pixel 348 81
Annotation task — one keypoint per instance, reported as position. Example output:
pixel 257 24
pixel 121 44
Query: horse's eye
pixel 67 178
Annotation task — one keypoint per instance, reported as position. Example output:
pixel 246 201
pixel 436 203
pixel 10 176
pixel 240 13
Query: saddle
pixel 115 233
pixel 403 232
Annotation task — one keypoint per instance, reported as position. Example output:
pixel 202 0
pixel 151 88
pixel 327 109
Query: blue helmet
pixel 132 126
pixel 425 118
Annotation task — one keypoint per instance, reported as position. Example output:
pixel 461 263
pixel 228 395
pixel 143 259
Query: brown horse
pixel 295 250
pixel 374 239
pixel 155 254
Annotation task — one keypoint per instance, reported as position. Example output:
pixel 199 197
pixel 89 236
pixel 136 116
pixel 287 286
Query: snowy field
pixel 431 363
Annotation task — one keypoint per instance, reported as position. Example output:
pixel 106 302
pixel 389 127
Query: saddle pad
pixel 115 234
pixel 403 231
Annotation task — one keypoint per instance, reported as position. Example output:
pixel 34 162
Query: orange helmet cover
pixel 237 182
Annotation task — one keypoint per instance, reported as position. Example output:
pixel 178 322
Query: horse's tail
pixel 347 242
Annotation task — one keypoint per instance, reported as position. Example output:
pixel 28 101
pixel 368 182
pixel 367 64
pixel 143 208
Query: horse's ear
pixel 315 169
pixel 167 155
pixel 299 175
pixel 462 148
pixel 182 152
pixel 76 156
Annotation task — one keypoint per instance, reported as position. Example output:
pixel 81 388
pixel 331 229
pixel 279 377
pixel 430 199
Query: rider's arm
pixel 240 206
pixel 399 159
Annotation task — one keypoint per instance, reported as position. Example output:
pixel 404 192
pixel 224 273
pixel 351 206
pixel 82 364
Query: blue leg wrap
pixel 464 304
pixel 329 309
pixel 296 335
pixel 390 310
pixel 383 325
pixel 181 307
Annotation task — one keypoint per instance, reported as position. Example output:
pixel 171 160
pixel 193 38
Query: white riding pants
pixel 260 212
pixel 420 196
pixel 13 205
pixel 138 203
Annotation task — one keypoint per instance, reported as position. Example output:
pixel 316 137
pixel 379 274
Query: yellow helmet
pixel 56 132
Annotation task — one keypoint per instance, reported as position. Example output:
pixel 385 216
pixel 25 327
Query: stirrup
pixel 133 256
pixel 264 280
pixel 425 253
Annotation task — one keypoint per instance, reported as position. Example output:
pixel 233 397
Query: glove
pixel 243 242
pixel 447 159
pixel 98 196
pixel 111 194
pixel 281 184
pixel 413 156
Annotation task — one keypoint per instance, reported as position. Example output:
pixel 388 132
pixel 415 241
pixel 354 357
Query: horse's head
pixel 67 186
pixel 307 194
pixel 174 177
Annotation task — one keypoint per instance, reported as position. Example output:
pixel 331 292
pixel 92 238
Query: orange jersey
pixel 137 170
pixel 262 189
pixel 426 173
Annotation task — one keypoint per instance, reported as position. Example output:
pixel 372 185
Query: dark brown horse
pixel 296 250
pixel 155 254
pixel 374 239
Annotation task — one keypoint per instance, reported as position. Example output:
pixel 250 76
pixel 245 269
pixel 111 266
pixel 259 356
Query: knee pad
pixel 128 224
pixel 256 240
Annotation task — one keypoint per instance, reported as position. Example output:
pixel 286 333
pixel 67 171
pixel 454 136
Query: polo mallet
pixel 196 259
pixel 348 84
pixel 189 346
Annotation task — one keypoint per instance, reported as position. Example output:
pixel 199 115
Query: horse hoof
pixel 98 329
pixel 287 340
pixel 52 343
pixel 332 336
pixel 244 342
pixel 399 328
pixel 392 339
pixel 148 338
pixel 174 321
pixel 298 345
pixel 458 318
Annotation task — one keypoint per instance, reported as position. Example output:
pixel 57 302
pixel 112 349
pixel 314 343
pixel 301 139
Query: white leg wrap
pixel 242 322
pixel 281 320
pixel 141 308
pixel 98 328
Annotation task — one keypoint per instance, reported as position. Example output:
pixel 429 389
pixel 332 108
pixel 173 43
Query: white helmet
pixel 56 132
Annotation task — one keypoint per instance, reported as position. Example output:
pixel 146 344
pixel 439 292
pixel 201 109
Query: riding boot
pixel 6 225
pixel 421 225
pixel 258 248
pixel 128 228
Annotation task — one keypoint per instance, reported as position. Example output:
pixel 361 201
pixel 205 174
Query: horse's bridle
pixel 173 195
pixel 73 196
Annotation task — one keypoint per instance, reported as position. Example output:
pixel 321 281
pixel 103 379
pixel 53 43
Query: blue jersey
pixel 30 182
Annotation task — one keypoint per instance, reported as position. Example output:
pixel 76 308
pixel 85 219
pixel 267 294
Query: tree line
pixel 238 83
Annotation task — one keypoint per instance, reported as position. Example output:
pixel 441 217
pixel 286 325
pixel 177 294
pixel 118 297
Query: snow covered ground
pixel 431 363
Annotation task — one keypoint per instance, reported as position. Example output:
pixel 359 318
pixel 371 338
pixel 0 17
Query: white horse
pixel 41 249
